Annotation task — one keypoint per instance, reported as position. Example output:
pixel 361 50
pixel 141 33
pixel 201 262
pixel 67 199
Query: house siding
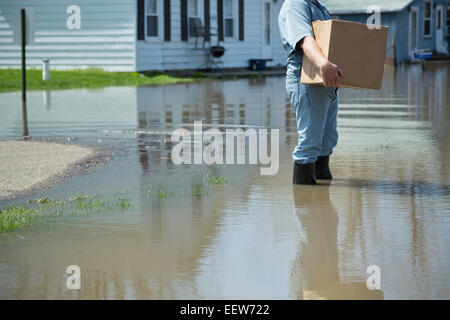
pixel 428 42
pixel 177 54
pixel 387 19
pixel 106 39
pixel 402 40
pixel 399 28
pixel 278 51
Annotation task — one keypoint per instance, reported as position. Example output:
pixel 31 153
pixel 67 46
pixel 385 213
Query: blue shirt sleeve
pixel 296 23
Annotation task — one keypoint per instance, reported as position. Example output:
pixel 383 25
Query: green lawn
pixel 10 79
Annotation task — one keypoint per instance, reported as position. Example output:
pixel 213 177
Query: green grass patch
pixel 18 217
pixel 11 79
pixel 15 218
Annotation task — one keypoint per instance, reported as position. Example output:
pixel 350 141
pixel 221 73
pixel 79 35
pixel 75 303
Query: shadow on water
pixel 315 271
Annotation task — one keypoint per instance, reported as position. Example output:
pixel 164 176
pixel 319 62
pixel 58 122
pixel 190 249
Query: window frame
pixel 235 17
pixel 411 50
pixel 268 23
pixel 198 9
pixel 159 14
pixel 200 15
pixel 439 19
pixel 426 19
pixel 447 19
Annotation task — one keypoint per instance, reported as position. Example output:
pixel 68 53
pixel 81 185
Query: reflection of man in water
pixel 315 273
pixel 315 106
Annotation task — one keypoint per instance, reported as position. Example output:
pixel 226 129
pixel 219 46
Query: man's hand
pixel 330 74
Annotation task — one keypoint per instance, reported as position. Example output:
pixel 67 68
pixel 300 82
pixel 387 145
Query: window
pixel 229 18
pixel 193 8
pixel 193 13
pixel 267 23
pixel 427 19
pixel 152 18
pixel 439 25
pixel 448 19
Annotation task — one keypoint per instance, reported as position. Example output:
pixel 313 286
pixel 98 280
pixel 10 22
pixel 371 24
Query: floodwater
pixel 258 236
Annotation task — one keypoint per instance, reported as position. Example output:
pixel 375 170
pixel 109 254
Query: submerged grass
pixel 123 203
pixel 216 180
pixel 161 193
pixel 14 218
pixel 196 190
pixel 382 147
pixel 18 217
pixel 10 79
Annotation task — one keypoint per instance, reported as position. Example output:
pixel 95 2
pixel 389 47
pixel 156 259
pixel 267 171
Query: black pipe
pixel 24 74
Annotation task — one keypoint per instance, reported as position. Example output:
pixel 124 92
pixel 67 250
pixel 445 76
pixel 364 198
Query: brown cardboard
pixel 359 51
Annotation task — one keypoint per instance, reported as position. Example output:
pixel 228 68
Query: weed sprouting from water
pixel 203 188
pixel 79 197
pixel 123 203
pixel 382 147
pixel 198 191
pixel 161 193
pixel 216 180
pixel 45 201
pixel 18 217
pixel 87 203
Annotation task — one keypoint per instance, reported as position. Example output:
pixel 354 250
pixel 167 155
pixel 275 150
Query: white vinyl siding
pixel 105 40
pixel 181 55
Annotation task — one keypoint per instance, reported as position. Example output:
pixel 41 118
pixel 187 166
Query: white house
pixel 140 35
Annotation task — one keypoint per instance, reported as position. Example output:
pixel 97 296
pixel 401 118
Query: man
pixel 315 106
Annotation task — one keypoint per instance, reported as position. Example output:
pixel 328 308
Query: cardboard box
pixel 359 51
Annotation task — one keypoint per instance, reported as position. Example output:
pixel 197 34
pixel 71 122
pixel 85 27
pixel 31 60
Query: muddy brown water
pixel 257 237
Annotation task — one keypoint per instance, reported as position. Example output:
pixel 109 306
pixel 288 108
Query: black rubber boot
pixel 322 168
pixel 304 173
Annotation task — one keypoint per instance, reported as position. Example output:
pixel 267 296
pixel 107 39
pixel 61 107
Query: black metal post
pixel 24 74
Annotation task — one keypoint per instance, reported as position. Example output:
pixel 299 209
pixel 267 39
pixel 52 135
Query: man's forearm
pixel 330 72
pixel 312 51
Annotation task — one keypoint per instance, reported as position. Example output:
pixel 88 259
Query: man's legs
pixel 329 141
pixel 312 112
pixel 330 136
pixel 311 107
